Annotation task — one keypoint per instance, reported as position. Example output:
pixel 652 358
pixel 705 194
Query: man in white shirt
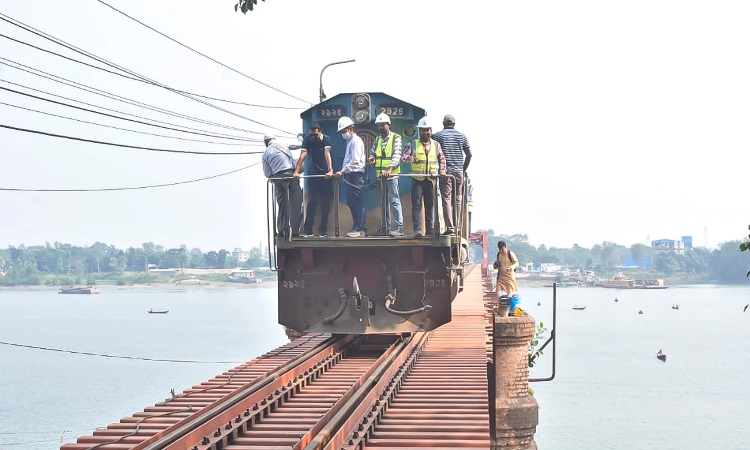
pixel 353 171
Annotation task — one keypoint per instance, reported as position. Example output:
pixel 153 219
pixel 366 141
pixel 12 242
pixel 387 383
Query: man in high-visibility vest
pixel 385 156
pixel 427 162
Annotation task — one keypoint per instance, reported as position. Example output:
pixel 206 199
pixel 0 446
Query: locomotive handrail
pixel 272 212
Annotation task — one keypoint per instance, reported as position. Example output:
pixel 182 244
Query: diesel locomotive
pixel 376 283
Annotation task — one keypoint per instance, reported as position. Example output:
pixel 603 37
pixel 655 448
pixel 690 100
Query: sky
pixel 589 121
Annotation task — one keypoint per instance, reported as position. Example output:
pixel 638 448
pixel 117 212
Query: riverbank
pixel 166 285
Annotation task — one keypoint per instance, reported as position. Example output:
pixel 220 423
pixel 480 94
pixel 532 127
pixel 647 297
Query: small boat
pixel 675 306
pixel 661 356
pixel 244 276
pixel 579 308
pixel 151 311
pixel 77 290
pixel 616 300
pixel 640 311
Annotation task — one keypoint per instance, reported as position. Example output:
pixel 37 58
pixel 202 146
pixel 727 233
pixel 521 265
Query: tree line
pixel 724 265
pixel 30 265
pixel 73 264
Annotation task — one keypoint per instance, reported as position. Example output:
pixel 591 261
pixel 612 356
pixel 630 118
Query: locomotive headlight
pixel 410 131
pixel 361 101
pixel 361 108
pixel 361 116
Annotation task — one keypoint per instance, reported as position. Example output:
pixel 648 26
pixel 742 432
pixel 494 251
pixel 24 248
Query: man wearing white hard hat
pixel 353 172
pixel 278 165
pixel 385 156
pixel 427 162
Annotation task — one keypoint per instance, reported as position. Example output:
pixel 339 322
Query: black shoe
pixel 323 235
pixel 448 233
pixel 429 232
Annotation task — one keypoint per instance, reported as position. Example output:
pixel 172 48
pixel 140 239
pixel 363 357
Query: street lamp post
pixel 322 94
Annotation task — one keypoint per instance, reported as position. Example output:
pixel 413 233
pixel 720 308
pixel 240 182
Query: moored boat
pixel 243 276
pixel 579 308
pixel 656 283
pixel 77 290
pixel 151 311
pixel 619 281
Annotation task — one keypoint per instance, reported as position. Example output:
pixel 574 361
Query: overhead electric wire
pixel 138 79
pixel 118 128
pixel 135 188
pixel 51 349
pixel 201 54
pixel 119 98
pixel 136 147
pixel 117 117
pixel 39 33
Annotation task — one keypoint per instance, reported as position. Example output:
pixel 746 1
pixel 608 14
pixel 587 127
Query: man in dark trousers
pixel 319 188
pixel 455 146
pixel 278 165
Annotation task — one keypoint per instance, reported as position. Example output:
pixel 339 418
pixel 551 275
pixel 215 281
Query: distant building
pixel 550 268
pixel 241 255
pixel 670 244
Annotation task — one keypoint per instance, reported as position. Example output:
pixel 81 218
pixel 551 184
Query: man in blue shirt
pixel 455 146
pixel 278 164
pixel 319 188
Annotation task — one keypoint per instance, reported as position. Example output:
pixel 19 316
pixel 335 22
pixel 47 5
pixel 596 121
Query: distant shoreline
pixel 103 288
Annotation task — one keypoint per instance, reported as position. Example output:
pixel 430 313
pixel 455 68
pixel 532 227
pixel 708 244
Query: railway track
pixel 324 391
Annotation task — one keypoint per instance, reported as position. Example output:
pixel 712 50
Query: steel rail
pixel 217 412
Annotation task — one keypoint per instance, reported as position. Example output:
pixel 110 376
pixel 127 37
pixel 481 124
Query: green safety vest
pixel 424 163
pixel 383 159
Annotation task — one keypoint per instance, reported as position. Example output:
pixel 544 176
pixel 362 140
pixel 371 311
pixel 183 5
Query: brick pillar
pixel 516 413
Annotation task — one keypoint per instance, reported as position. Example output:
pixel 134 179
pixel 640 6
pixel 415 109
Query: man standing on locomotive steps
pixel 279 165
pixel 385 156
pixel 427 161
pixel 319 187
pixel 353 171
pixel 455 146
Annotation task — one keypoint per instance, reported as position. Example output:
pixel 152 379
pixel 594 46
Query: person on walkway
pixel 385 156
pixel 353 171
pixel 278 164
pixel 506 263
pixel 426 159
pixel 319 189
pixel 455 146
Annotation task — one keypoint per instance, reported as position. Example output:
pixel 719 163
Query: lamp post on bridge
pixel 322 94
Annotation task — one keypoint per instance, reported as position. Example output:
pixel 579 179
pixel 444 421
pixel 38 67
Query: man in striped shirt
pixel 455 146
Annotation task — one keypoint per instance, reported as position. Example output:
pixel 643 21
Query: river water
pixel 609 391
